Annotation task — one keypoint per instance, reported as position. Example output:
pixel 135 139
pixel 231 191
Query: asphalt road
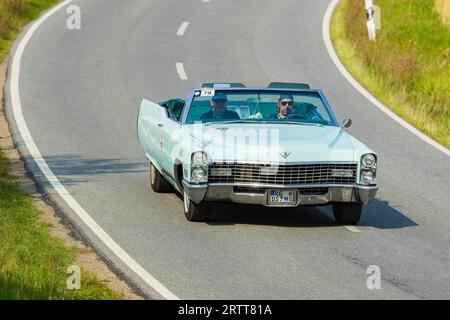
pixel 80 91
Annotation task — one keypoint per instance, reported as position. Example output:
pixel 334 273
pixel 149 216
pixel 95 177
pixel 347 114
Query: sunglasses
pixel 285 103
pixel 220 100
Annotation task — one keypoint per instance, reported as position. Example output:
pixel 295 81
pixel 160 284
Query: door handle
pixel 160 125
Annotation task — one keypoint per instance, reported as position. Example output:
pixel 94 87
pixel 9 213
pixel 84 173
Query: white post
pixel 371 27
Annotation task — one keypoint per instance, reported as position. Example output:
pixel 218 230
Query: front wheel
pixel 347 213
pixel 194 211
pixel 157 181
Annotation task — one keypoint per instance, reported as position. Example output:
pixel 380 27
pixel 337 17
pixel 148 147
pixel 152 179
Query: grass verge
pixel 33 263
pixel 408 67
pixel 14 14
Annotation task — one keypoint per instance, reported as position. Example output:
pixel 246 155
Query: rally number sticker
pixel 207 93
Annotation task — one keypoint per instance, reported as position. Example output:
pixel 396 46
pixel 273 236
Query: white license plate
pixel 280 196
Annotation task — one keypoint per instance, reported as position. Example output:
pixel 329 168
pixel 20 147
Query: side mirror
pixel 346 123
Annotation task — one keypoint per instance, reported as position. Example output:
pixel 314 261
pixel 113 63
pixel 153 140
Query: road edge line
pixel 332 53
pixel 13 75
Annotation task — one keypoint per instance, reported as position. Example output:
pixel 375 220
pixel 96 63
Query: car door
pixel 150 126
pixel 168 145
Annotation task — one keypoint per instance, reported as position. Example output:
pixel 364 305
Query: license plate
pixel 280 196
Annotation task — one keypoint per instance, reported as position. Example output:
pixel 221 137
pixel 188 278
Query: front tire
pixel 158 182
pixel 196 212
pixel 347 213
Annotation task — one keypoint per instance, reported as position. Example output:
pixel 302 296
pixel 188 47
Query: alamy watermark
pixel 74 279
pixel 73 22
pixel 374 280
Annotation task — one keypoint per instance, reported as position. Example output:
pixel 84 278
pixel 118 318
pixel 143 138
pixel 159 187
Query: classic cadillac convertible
pixel 278 146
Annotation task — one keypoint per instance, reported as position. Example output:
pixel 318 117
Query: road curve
pixel 80 90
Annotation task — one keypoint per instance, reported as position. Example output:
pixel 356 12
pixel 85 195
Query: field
pixel 408 67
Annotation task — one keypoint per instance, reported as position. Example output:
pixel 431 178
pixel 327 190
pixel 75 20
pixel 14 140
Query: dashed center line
pixel 182 29
pixel 353 229
pixel 348 227
pixel 180 70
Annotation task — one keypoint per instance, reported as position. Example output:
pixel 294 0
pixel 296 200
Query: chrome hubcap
pixel 152 174
pixel 186 201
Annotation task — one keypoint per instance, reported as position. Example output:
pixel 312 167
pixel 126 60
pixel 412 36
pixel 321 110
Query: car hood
pixel 275 142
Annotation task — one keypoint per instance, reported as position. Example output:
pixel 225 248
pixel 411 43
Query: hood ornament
pixel 285 154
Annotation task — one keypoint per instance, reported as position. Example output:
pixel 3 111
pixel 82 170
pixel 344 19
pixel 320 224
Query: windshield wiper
pixel 303 123
pixel 231 121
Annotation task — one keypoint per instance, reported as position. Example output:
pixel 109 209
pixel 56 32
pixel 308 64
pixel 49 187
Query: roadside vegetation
pixel 443 7
pixel 14 14
pixel 408 67
pixel 33 263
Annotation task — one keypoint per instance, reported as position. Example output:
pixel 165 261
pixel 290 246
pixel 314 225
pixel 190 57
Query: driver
pixel 285 104
pixel 219 109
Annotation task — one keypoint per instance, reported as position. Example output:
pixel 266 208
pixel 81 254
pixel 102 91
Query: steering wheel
pixel 295 116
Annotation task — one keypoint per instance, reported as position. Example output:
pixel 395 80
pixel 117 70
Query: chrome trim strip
pixel 278 186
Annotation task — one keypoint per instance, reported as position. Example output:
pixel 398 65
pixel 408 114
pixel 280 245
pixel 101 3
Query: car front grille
pixel 320 173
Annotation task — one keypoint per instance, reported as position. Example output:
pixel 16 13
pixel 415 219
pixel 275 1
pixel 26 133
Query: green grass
pixel 408 67
pixel 33 264
pixel 14 14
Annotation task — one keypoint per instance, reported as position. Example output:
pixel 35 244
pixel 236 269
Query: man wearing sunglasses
pixel 219 109
pixel 285 105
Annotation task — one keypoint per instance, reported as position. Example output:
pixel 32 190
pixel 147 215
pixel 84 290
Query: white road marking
pixel 353 229
pixel 180 70
pixel 329 45
pixel 49 175
pixel 182 29
pixel 330 212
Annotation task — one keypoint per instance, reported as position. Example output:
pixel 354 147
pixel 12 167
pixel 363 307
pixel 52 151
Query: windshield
pixel 247 106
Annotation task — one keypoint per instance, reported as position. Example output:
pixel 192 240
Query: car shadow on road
pixel 72 169
pixel 305 217
pixel 378 214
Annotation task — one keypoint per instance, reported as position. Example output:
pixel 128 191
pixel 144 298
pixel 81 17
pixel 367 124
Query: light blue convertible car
pixel 278 146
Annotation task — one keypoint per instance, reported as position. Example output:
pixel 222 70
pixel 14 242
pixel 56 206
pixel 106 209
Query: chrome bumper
pixel 227 192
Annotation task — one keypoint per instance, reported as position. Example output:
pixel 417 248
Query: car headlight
pixel 368 160
pixel 367 176
pixel 199 167
pixel 199 174
pixel 199 158
pixel 368 168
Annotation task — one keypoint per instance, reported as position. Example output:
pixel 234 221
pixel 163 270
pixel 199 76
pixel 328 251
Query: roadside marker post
pixel 371 27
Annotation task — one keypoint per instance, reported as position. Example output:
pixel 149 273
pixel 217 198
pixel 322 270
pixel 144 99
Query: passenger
pixel 219 109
